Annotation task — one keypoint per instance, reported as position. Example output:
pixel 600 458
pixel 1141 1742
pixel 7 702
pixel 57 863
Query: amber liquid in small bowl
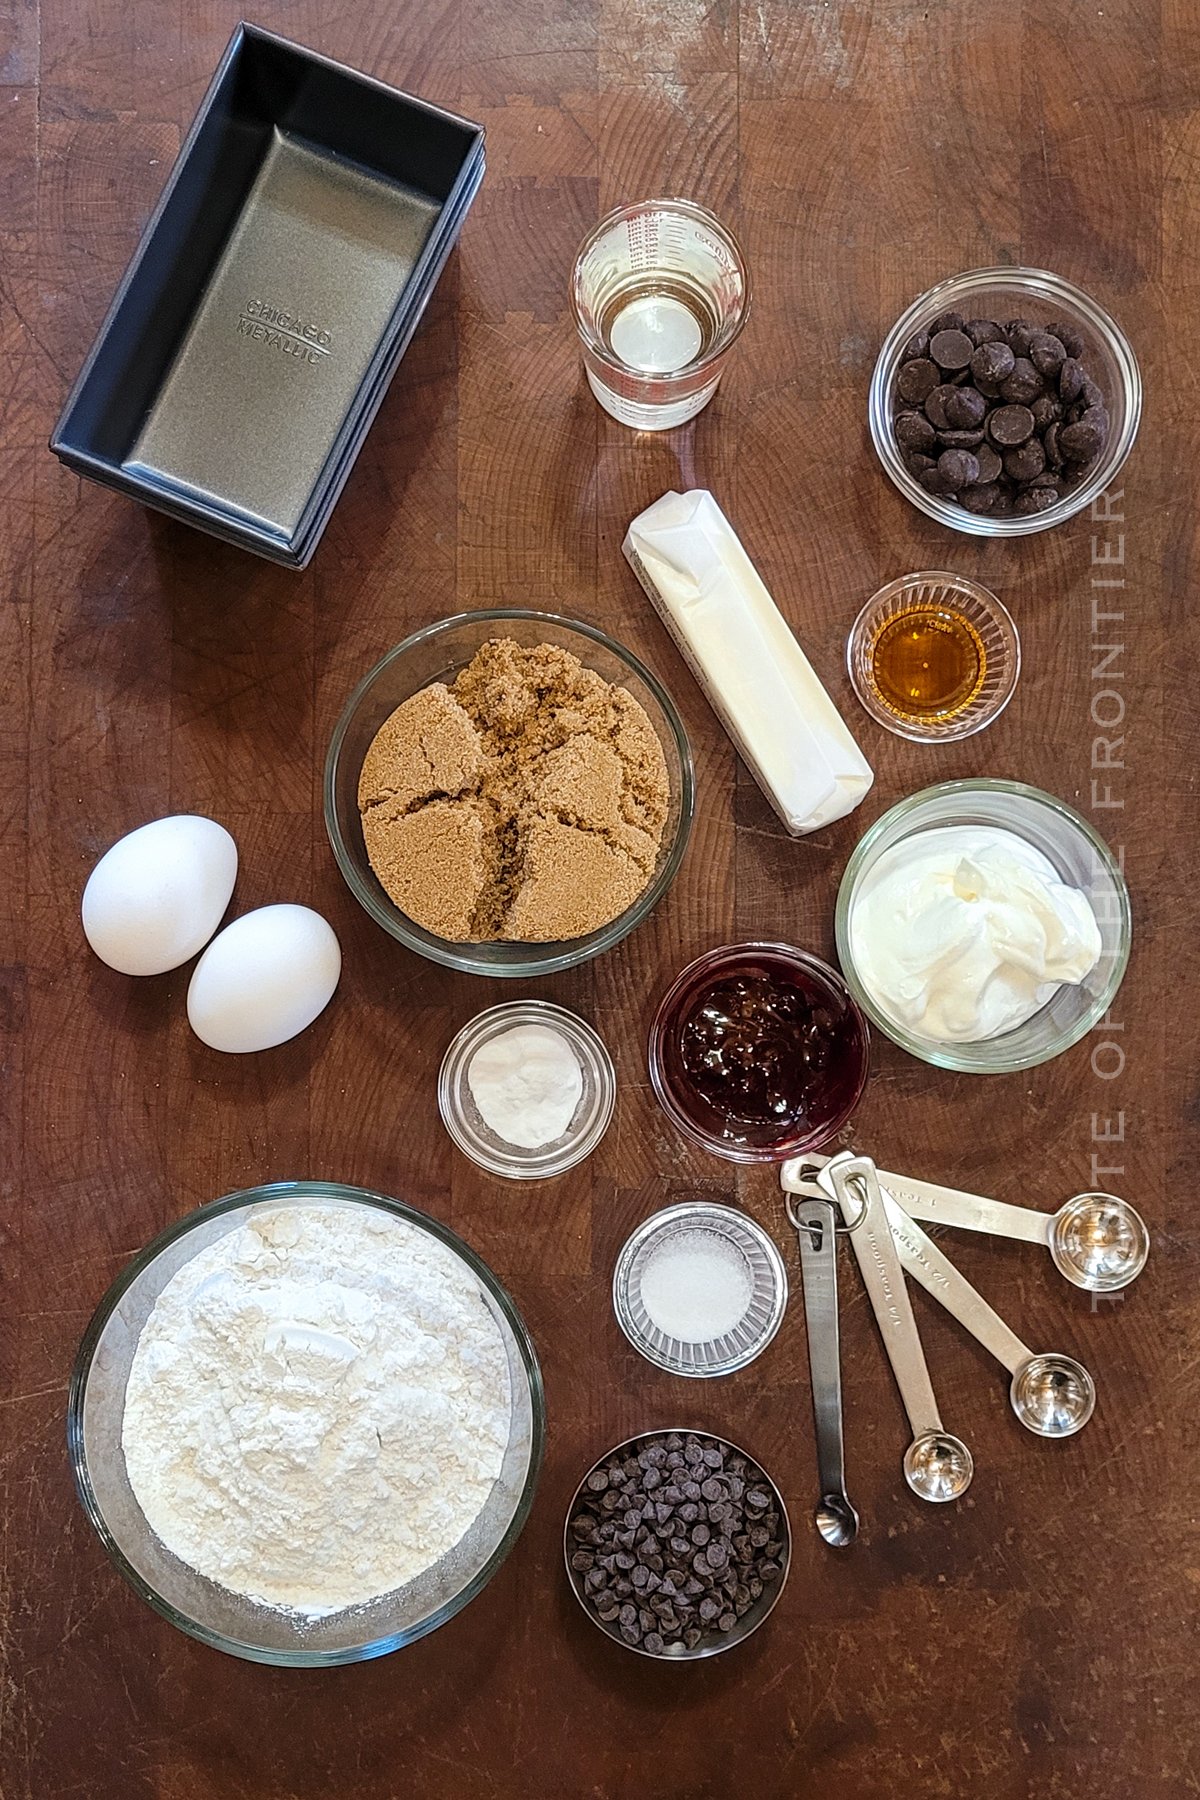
pixel 928 663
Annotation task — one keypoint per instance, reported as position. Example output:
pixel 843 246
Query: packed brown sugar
pixel 525 802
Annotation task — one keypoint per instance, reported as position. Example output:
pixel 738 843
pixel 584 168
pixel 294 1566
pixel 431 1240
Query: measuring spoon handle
pixel 818 1270
pixel 861 1199
pixel 928 1263
pixel 944 1205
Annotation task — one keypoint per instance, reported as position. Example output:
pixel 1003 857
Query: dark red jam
pixel 762 1047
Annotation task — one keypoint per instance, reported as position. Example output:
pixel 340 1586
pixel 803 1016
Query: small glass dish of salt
pixel 526 1089
pixel 700 1289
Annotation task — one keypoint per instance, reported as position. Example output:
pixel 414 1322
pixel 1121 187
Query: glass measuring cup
pixel 659 292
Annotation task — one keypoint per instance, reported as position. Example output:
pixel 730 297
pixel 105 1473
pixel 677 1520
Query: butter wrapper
pixel 754 674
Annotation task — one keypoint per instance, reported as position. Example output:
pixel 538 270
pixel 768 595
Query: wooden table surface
pixel 1036 1640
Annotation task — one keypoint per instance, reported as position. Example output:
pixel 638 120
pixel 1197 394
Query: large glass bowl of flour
pixel 425 1349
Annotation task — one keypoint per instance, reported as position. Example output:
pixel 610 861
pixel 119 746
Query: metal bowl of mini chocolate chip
pixel 1004 401
pixel 677 1545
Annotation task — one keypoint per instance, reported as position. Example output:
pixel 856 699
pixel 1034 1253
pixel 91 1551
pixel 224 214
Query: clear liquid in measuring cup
pixel 657 324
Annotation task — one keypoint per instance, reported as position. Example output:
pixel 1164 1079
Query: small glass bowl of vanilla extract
pixel 758 1052
pixel 934 657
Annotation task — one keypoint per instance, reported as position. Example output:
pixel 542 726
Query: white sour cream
pixel 964 932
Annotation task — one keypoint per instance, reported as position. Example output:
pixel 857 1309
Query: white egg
pixel 265 978
pixel 157 896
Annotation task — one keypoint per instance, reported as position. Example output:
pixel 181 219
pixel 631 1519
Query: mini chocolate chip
pixel 598 1480
pixel 692 1452
pixel 594 1581
pixel 582 1559
pixel 965 408
pixel 651 1479
pixel 717 1554
pixel 1010 425
pixel 951 349
pixel 625 1559
pixel 640 1576
pixel 700 1535
pixel 691 1490
pixel 653 1643
pixel 769 1569
pixel 712 1456
pixel 727 1621
pixel 713 1488
pixel 692 1636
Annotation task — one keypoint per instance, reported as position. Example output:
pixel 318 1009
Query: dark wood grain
pixel 1037 1641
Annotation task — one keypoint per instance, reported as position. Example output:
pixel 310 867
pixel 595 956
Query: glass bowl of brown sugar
pixel 509 792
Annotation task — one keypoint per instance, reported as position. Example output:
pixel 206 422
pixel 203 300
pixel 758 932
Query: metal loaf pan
pixel 274 291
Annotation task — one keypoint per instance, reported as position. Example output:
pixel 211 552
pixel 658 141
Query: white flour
pixel 318 1407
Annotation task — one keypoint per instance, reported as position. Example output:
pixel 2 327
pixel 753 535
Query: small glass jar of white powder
pixel 526 1090
pixel 700 1289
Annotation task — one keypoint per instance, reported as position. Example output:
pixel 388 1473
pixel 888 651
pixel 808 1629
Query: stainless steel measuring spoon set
pixel 1097 1242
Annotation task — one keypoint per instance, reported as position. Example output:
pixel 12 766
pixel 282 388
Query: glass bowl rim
pixel 731 1640
pixel 680 1212
pixel 745 1153
pixel 946 1056
pixel 242 1200
pixel 984 597
pixel 569 955
pixel 579 1031
pixel 1026 280
pixel 658 378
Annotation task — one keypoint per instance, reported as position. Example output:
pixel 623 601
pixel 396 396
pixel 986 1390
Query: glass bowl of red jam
pixel 758 1052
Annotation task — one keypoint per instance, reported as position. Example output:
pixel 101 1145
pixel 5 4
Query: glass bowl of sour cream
pixel 983 926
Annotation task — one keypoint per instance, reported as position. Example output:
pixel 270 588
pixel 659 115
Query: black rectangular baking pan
pixel 280 279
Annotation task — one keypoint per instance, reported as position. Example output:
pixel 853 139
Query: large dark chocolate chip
pixel 951 349
pixel 983 331
pixel 958 469
pixel 989 464
pixel 1026 461
pixel 1023 385
pixel 1046 353
pixel 1046 409
pixel 960 440
pixel 1018 332
pixel 1034 500
pixel 1085 439
pixel 992 363
pixel 917 345
pixel 1070 380
pixel 1010 425
pixel 914 432
pixel 978 499
pixel 1070 339
pixel 935 406
pixel 964 408
pixel 947 321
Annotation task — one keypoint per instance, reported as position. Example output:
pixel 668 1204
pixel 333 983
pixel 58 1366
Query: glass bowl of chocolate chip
pixel 1004 401
pixel 509 792
pixel 677 1544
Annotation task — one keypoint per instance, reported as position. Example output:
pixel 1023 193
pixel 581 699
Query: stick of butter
pixel 736 642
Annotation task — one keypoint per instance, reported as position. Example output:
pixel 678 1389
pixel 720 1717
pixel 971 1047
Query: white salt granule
pixel 318 1407
pixel 696 1286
